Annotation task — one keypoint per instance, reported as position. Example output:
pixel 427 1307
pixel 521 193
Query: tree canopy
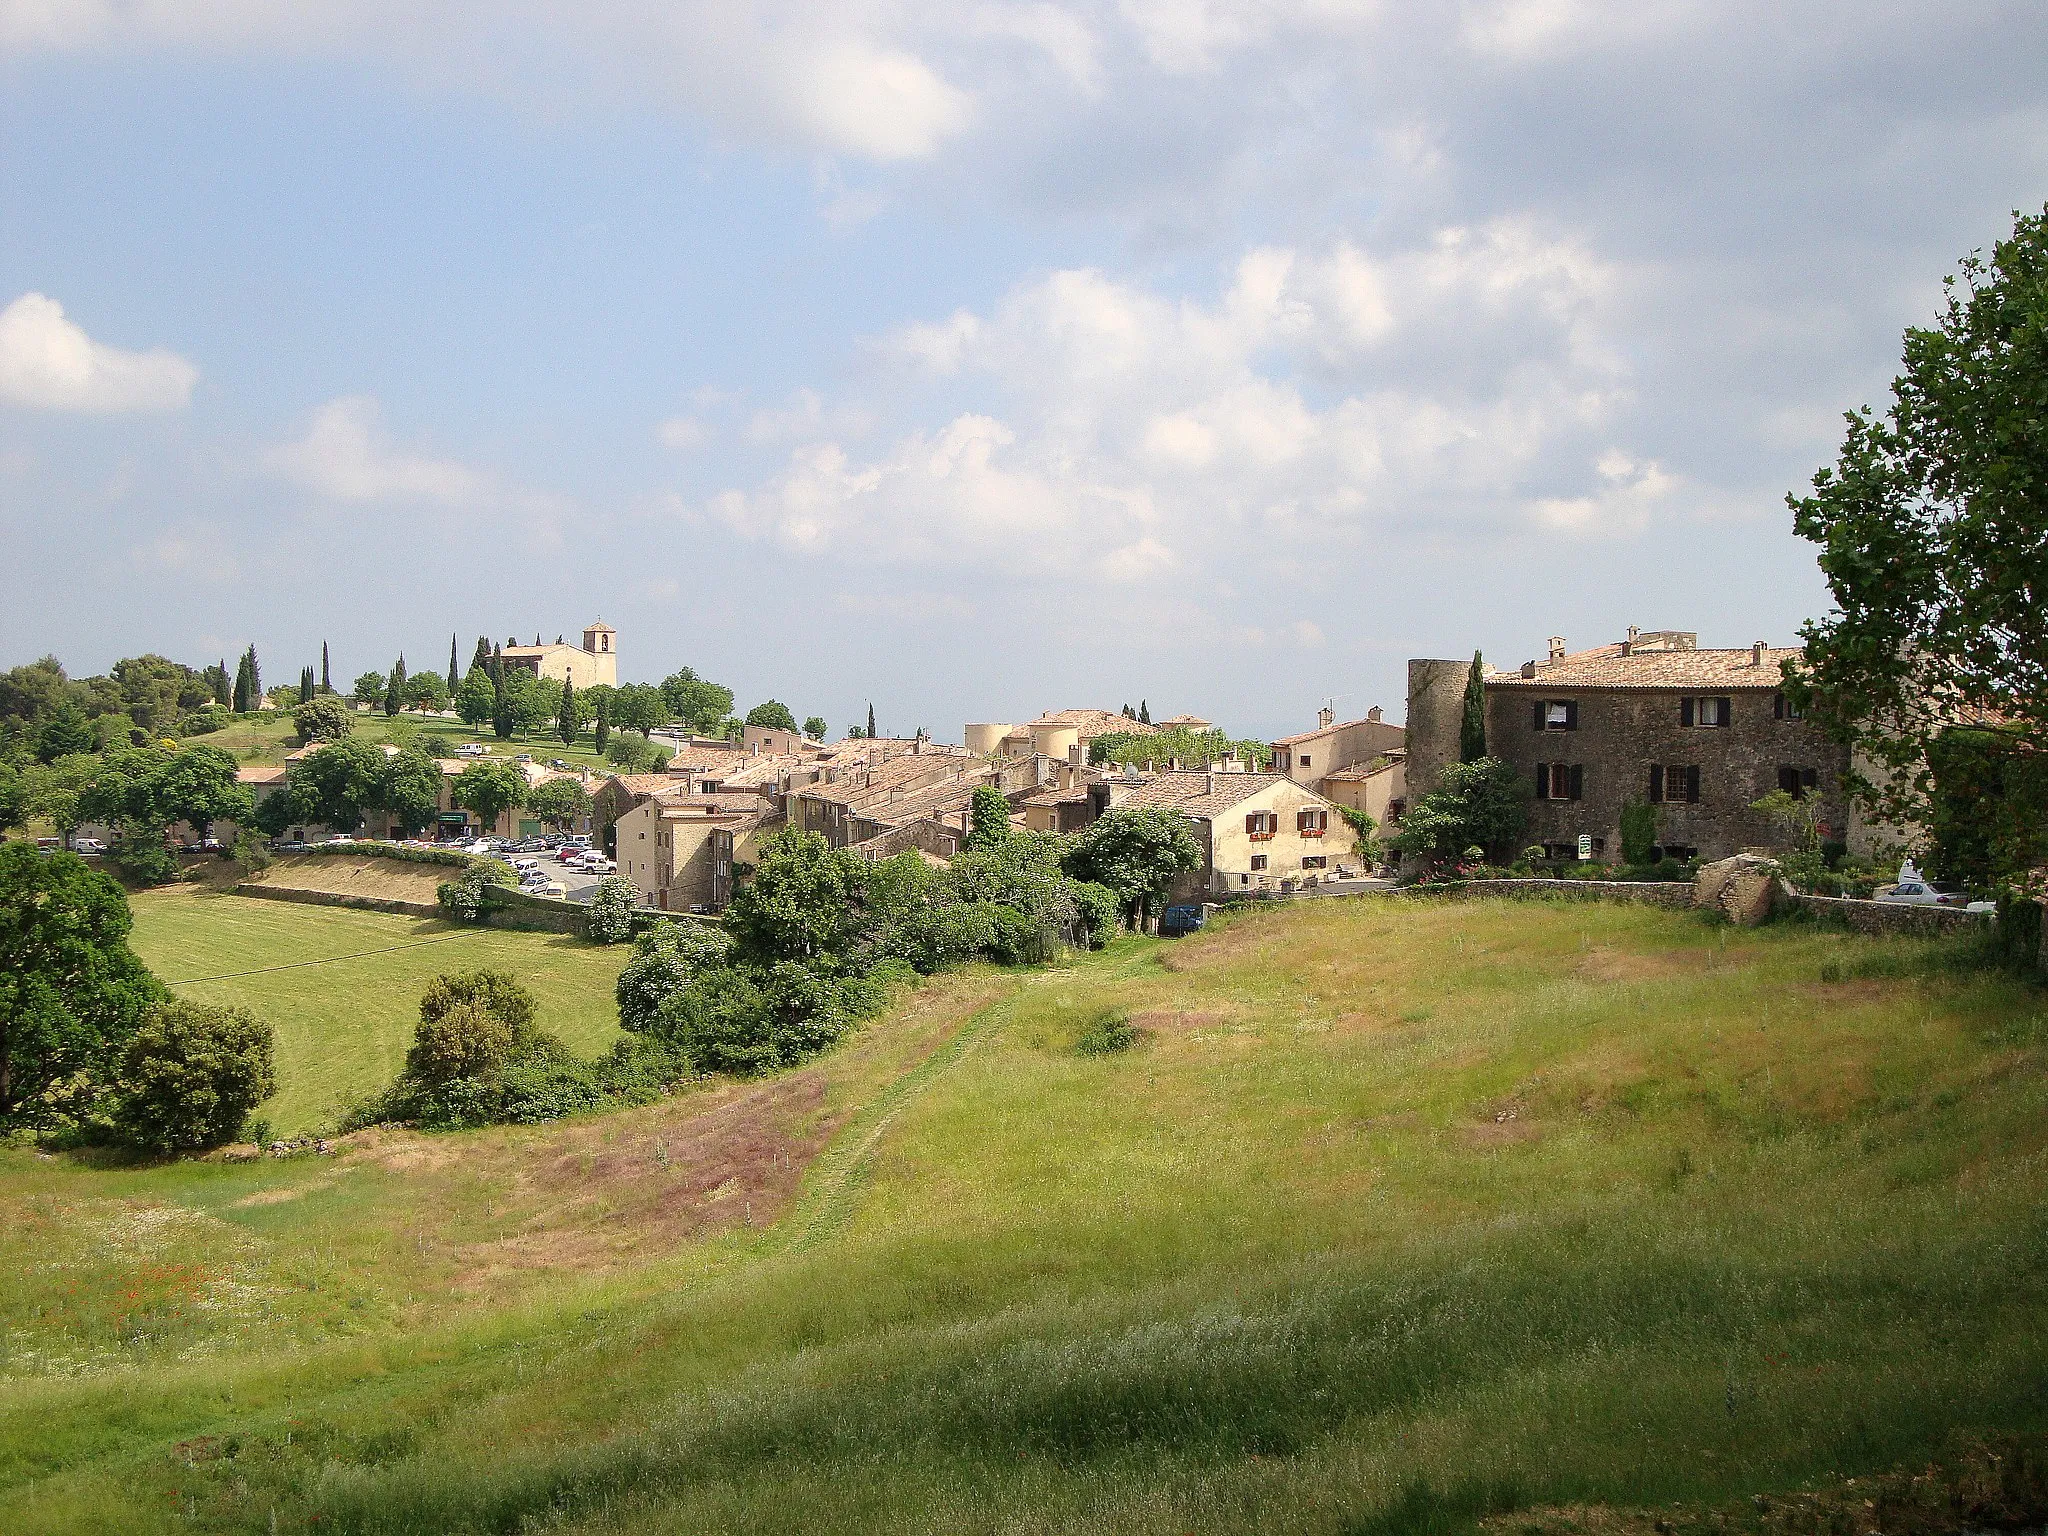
pixel 1136 852
pixel 71 990
pixel 1933 540
pixel 697 701
pixel 559 801
pixel 1480 804
pixel 774 715
pixel 488 788
pixel 323 719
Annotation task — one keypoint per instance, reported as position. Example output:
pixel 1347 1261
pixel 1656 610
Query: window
pixel 1304 759
pixel 1783 708
pixel 1260 825
pixel 1258 862
pixel 1560 781
pixel 1311 823
pixel 1709 713
pixel 1798 782
pixel 1674 783
pixel 1314 861
pixel 1557 715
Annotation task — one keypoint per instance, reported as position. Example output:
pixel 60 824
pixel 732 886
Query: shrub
pixel 143 858
pixel 665 958
pixel 611 911
pixel 1638 831
pixel 748 1019
pixel 494 991
pixel 1098 908
pixel 467 1040
pixel 1107 1033
pixel 190 1076
pixel 323 718
pixel 463 899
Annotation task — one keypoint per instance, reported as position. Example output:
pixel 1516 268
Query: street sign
pixel 1585 847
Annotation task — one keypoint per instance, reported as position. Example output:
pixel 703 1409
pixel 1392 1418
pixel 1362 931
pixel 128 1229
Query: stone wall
pixel 1656 893
pixel 1436 705
pixel 1889 917
pixel 1622 732
pixel 341 899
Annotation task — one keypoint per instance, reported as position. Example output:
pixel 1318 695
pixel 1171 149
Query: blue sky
pixel 974 358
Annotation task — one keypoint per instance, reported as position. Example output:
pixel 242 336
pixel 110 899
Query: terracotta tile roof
pixel 859 784
pixel 1606 667
pixel 1201 794
pixel 682 807
pixel 1052 794
pixel 1187 722
pixel 1358 772
pixel 645 783
pixel 1092 722
pixel 1321 730
pixel 261 773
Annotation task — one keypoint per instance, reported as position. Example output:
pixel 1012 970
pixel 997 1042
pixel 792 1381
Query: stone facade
pixel 1700 734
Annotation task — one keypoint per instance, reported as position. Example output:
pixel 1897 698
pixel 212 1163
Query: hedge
pixel 387 851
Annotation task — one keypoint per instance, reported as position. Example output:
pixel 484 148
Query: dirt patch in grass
pixel 1609 964
pixel 1181 1021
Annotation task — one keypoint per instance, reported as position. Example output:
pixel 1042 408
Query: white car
pixel 89 845
pixel 1928 893
pixel 470 749
pixel 596 864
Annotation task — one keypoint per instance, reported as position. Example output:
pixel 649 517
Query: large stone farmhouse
pixel 1698 734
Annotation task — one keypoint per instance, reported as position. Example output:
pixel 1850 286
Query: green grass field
pixel 342 988
pixel 1397 1216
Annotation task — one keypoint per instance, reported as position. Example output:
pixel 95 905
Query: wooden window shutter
pixel 1542 780
pixel 1578 780
pixel 1571 715
pixel 1685 711
pixel 1777 706
pixel 1692 785
pixel 1727 711
pixel 1539 715
pixel 1656 782
pixel 1809 778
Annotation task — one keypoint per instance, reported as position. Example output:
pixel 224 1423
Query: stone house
pixel 1378 787
pixel 1697 734
pixel 679 848
pixel 1312 756
pixel 1257 831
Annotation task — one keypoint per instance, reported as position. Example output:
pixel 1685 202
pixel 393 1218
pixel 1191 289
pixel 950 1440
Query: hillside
pixel 1395 1215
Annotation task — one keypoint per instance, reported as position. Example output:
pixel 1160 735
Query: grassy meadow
pixel 342 988
pixel 270 737
pixel 1397 1216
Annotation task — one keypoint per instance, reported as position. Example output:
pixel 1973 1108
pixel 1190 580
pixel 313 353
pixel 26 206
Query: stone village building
pixel 1698 734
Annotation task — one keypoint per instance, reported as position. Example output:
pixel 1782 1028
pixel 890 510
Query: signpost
pixel 1585 847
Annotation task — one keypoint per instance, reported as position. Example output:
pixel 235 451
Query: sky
pixel 965 357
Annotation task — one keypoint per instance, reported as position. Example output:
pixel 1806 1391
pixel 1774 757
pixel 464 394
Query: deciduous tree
pixel 1137 852
pixel 1933 540
pixel 487 789
pixel 189 1076
pixel 71 990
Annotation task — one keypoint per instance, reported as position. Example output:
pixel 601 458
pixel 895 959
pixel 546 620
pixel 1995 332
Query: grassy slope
pixel 346 998
pixel 1396 1214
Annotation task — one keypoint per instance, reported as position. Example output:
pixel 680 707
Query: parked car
pixel 1182 918
pixel 339 840
pixel 209 845
pixel 1931 893
pixel 596 864
pixel 523 757
pixel 553 888
pixel 91 846
pixel 470 749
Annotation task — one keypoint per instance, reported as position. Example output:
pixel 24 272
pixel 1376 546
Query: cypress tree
pixel 502 719
pixel 394 691
pixel 1144 713
pixel 454 677
pixel 603 728
pixel 241 694
pixel 567 721
pixel 482 658
pixel 221 685
pixel 871 722
pixel 1472 726
pixel 305 684
pixel 326 680
pixel 255 680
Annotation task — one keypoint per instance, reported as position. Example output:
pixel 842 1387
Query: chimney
pixel 1556 646
pixel 1074 754
pixel 1373 714
pixel 1067 775
pixel 1756 653
pixel 1325 718
pixel 1208 783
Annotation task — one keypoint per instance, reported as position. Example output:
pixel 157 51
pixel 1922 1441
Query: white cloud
pixel 49 362
pixel 683 433
pixel 347 456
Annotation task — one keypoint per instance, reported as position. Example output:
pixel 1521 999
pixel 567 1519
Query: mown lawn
pixel 341 988
pixel 1397 1216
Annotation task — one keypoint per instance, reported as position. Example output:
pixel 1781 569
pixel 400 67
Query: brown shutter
pixel 1777 706
pixel 1578 780
pixel 1571 715
pixel 1692 785
pixel 1656 783
pixel 1727 711
pixel 1538 724
pixel 1543 781
pixel 1685 711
